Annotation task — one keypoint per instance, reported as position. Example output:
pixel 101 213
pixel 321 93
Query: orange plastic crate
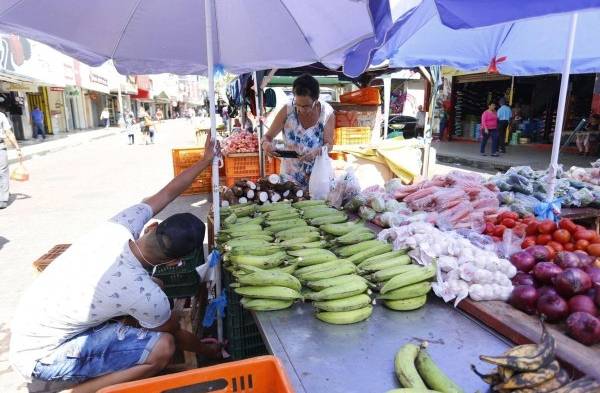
pixel 185 158
pixel 352 135
pixel 263 374
pixel 245 166
pixel 364 96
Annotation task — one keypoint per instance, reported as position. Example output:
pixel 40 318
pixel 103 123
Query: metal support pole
pixel 257 102
pixel 120 121
pixel 560 113
pixel 387 92
pixel 208 13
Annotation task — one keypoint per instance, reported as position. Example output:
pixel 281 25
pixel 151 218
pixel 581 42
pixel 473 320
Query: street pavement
pixel 71 188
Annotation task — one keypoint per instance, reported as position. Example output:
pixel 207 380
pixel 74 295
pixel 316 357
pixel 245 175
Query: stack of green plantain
pixel 532 368
pixel 402 287
pixel 417 372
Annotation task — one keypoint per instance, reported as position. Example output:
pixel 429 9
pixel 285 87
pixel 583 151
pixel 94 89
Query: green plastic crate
pixel 182 281
pixel 245 340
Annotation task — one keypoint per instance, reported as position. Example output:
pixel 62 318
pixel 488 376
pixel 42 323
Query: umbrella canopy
pixel 154 36
pixel 518 37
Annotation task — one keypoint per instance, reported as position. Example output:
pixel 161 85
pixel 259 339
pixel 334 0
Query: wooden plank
pixel 522 329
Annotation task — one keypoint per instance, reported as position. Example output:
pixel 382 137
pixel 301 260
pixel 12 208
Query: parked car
pixel 403 123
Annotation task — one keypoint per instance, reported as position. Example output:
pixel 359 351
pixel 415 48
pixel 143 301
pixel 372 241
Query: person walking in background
pixel 489 127
pixel 105 116
pixel 420 126
pixel 582 138
pixel 6 135
pixel 130 124
pixel 504 117
pixel 37 116
pixel 148 129
pixel 159 115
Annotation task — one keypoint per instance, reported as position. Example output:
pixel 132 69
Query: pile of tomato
pixel 566 236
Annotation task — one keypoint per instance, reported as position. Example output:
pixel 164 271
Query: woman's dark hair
pixel 306 85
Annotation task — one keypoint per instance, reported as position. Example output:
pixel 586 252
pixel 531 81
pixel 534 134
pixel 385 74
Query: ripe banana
pixel 266 262
pixel 315 244
pixel 432 375
pixel 267 277
pixel 382 265
pixel 339 270
pixel 408 292
pixel 408 278
pixel 340 229
pixel 384 257
pixel 376 250
pixel 356 236
pixel 339 291
pixel 551 385
pixel 345 317
pixel 265 304
pixel 331 282
pixel 406 304
pixel 308 202
pixel 388 274
pixel 347 304
pixel 268 292
pixel 491 379
pixel 356 248
pixel 532 378
pixel 540 356
pixel 583 385
pixel 404 364
pixel 330 219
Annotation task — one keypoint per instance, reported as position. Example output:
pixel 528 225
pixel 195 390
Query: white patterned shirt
pixel 96 279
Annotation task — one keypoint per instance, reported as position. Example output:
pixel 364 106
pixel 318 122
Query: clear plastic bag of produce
pixel 394 185
pixel 506 197
pixel 585 197
pixel 355 203
pixel 346 187
pixel 520 183
pixel 322 176
pixel 366 213
pixel 510 244
pixel 477 239
pixel 521 170
pixel 446 198
pixel 528 202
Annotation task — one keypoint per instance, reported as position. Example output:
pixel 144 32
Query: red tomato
pixel 579 228
pixel 562 236
pixel 546 226
pixel 527 220
pixel 528 242
pixel 489 228
pixel 552 253
pixel 519 230
pixel 586 234
pixel 594 250
pixel 543 239
pixel 569 246
pixel 532 229
pixel 595 240
pixel 508 222
pixel 567 224
pixel 511 215
pixel 499 230
pixel 581 244
pixel 555 245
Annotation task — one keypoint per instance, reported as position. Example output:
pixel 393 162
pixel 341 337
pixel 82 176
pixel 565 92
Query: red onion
pixel 524 298
pixel 597 296
pixel 547 291
pixel 553 307
pixel 585 258
pixel 540 253
pixel 567 259
pixel 523 261
pixel 584 328
pixel 594 273
pixel 582 303
pixel 546 271
pixel 523 279
pixel 572 281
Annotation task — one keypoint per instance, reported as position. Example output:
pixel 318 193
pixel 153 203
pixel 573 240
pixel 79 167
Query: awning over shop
pixel 162 98
pixel 143 85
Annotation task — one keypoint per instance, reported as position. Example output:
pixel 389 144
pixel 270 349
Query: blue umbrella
pixel 543 41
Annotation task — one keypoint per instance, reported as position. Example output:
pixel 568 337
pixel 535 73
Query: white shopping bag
pixel 322 176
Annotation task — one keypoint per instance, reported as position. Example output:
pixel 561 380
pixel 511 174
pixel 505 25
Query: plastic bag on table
pixel 366 213
pixel 520 183
pixel 208 270
pixel 394 219
pixel 449 197
pixel 394 185
pixel 355 203
pixel 346 187
pixel 322 176
pixel 506 197
pixel 585 196
pixel 527 201
pixel 479 240
pixel 510 244
pixel 521 170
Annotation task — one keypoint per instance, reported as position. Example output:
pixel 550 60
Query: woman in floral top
pixel 307 124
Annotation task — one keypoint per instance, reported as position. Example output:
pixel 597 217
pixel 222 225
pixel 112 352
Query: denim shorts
pixel 101 350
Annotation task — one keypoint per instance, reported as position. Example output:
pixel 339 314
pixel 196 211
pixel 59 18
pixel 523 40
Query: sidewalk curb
pixel 61 146
pixel 473 163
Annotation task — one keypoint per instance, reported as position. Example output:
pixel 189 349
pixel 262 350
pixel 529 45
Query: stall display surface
pixel 524 329
pixel 319 357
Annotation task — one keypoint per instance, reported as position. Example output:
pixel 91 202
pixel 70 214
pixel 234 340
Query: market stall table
pixel 323 358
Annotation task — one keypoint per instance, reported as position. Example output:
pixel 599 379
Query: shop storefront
pixel 532 98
